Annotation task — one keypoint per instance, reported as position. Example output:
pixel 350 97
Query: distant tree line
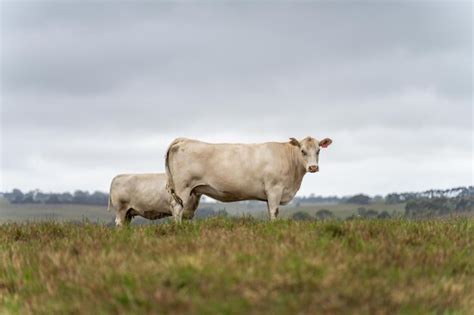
pixel 417 204
pixel 312 199
pixel 392 198
pixel 457 192
pixel 430 203
pixel 442 206
pixel 16 196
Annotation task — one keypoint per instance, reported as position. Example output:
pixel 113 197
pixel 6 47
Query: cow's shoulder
pixel 121 178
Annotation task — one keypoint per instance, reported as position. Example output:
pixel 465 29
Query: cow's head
pixel 309 149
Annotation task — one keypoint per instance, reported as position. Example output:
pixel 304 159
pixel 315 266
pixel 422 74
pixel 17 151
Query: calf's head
pixel 309 149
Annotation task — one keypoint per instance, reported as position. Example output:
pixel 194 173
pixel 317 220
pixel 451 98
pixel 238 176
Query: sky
pixel 94 89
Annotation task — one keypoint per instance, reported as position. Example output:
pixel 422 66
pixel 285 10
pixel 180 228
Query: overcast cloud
pixel 90 90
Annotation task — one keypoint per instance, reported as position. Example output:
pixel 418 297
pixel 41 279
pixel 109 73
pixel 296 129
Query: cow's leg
pixel 177 208
pixel 191 206
pixel 273 202
pixel 123 216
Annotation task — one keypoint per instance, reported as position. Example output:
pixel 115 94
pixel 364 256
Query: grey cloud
pixel 205 42
pixel 85 81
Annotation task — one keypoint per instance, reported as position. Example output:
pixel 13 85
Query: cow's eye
pixel 304 152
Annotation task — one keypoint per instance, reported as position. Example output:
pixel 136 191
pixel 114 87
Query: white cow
pixel 270 171
pixel 144 195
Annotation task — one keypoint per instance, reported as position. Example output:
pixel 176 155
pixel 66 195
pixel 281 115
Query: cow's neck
pixel 297 163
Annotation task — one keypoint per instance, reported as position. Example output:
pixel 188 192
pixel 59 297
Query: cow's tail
pixel 170 182
pixel 109 204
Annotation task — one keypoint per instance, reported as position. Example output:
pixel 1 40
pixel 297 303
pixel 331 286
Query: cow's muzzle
pixel 313 168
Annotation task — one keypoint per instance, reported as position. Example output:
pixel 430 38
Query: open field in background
pixel 239 266
pixel 44 212
pixel 71 212
pixel 344 210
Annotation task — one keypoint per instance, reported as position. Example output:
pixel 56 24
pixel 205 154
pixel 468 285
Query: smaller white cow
pixel 144 195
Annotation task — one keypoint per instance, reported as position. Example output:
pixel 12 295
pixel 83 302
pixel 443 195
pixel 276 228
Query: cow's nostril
pixel 313 168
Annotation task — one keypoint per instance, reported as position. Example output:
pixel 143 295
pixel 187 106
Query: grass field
pixel 239 266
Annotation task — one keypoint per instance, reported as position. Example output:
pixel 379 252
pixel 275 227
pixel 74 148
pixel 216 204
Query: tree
pixel 465 204
pixel 392 199
pixel 40 197
pixel 377 199
pixel 81 197
pixel 428 207
pixel 16 196
pixel 359 199
pixel 98 198
pixel 53 199
pixel 66 197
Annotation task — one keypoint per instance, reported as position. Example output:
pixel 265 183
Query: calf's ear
pixel 325 142
pixel 295 142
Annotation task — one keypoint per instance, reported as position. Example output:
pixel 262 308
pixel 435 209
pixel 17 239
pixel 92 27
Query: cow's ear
pixel 325 143
pixel 295 142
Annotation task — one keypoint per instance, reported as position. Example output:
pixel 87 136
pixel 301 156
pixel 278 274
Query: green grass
pixel 239 266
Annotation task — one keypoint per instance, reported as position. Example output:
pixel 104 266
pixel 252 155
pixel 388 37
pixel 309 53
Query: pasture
pixel 239 266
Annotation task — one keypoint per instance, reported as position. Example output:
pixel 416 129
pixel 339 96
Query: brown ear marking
pixel 325 142
pixel 295 142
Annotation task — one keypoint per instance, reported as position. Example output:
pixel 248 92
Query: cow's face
pixel 309 150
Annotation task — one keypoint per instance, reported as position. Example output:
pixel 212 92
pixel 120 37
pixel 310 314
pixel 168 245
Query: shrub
pixel 324 214
pixel 301 216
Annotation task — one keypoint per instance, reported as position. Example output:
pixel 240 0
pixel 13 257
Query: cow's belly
pixel 151 209
pixel 151 213
pixel 229 195
pixel 286 198
pixel 288 194
pixel 154 214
